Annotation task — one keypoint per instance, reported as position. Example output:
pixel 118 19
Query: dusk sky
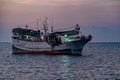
pixel 100 18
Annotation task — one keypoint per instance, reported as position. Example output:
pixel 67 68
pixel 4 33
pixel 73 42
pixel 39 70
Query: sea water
pixel 100 61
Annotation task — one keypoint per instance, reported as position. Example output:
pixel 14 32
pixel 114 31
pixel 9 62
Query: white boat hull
pixel 30 47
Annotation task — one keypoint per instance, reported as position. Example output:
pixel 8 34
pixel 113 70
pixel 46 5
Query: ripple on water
pixel 100 62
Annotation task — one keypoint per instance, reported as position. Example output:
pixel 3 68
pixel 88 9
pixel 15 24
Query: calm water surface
pixel 100 61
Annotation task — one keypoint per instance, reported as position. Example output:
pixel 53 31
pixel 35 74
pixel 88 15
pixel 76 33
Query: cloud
pixel 58 3
pixel 65 11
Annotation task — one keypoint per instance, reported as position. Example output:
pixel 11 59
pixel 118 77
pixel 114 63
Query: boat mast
pixel 45 26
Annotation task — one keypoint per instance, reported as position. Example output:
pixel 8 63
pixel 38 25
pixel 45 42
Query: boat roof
pixel 26 32
pixel 68 33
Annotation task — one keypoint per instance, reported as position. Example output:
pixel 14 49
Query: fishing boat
pixel 29 41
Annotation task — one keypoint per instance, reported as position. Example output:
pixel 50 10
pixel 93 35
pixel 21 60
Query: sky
pixel 100 18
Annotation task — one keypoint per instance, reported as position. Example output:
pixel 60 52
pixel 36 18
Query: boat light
pixel 42 37
pixel 65 35
pixel 68 40
pixel 27 37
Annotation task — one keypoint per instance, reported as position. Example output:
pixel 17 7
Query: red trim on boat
pixel 43 52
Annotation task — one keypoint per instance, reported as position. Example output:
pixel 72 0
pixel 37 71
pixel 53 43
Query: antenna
pixel 52 26
pixel 26 26
pixel 52 29
pixel 37 23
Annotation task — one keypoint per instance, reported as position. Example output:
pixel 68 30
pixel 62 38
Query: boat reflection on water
pixel 65 67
